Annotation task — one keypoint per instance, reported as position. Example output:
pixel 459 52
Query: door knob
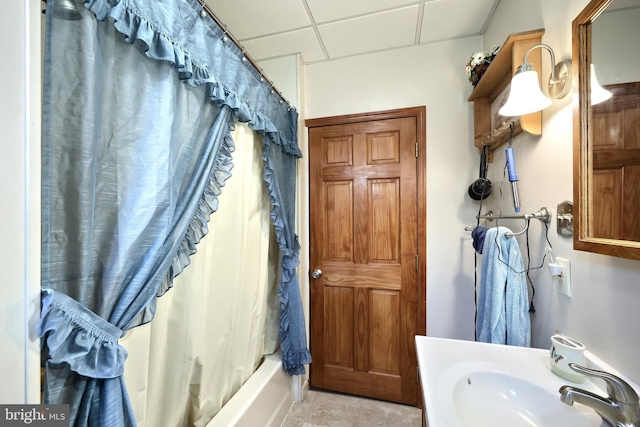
pixel 317 273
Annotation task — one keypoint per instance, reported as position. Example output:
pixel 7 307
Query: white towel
pixel 503 301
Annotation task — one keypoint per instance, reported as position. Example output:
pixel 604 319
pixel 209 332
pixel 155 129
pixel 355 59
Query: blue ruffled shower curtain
pixel 139 100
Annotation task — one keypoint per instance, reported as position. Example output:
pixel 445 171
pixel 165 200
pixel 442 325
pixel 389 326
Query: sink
pixel 485 396
pixel 473 384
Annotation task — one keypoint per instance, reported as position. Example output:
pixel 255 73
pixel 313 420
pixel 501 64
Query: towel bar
pixel 544 215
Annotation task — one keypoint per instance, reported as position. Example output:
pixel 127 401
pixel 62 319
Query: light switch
pixel 564 280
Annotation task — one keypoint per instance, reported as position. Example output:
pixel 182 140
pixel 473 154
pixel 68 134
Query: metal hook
pixel 512 234
pixel 224 37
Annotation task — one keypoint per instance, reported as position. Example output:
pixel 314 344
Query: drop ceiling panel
pixel 331 10
pixel 369 33
pixel 300 41
pixel 322 30
pixel 253 18
pixel 446 19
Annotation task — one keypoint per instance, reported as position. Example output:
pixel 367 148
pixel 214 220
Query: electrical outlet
pixel 564 281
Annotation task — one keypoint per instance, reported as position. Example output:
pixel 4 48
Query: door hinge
pixel 418 374
pixel 417 262
pixel 417 150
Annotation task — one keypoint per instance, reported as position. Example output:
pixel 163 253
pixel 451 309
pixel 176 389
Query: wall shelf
pixel 492 84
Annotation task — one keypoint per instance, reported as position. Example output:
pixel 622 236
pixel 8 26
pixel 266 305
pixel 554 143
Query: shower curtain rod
pixel 223 27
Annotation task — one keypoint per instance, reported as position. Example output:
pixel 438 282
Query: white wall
pixel 603 311
pixel 288 76
pixel 20 195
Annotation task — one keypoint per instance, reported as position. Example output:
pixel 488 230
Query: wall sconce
pixel 598 93
pixel 525 96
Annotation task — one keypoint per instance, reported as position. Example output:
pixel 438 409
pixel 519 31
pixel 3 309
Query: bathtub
pixel 264 400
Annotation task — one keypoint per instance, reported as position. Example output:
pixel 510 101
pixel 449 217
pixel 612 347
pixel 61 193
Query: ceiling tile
pixel 369 33
pixel 254 18
pixel 445 19
pixel 330 10
pixel 341 28
pixel 301 41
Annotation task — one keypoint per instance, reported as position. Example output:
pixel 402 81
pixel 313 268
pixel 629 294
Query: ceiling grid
pixel 323 30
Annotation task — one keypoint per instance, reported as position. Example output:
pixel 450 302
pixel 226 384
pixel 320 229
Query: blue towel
pixel 503 301
pixel 478 234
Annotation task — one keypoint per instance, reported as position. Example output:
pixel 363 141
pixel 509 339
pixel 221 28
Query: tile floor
pixel 326 409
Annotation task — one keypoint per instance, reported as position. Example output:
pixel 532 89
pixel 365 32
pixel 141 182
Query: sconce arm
pixel 560 81
pixel 554 77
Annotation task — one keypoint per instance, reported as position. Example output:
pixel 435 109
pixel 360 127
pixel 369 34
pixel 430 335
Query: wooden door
pixel 616 165
pixel 364 204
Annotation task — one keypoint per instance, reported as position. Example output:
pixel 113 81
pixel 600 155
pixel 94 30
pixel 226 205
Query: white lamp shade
pixel 598 93
pixel 525 96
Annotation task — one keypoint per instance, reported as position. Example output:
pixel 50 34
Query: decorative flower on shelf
pixel 478 64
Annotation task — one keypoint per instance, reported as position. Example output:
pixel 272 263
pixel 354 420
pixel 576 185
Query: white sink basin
pixel 472 384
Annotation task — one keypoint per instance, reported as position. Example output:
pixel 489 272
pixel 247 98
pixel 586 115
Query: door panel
pixel 338 312
pixel 385 332
pixel 384 205
pixel 363 204
pixel 616 165
pixel 339 216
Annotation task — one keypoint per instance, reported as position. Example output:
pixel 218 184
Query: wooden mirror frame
pixel 582 136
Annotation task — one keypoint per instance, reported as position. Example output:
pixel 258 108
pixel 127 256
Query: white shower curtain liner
pixel 211 331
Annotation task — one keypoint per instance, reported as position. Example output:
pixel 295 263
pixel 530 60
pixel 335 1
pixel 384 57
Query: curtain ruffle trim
pixel 295 354
pixel 294 351
pixel 75 335
pixel 162 47
pixel 207 205
pixel 295 361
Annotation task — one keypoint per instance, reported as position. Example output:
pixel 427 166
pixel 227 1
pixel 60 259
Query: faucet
pixel 620 409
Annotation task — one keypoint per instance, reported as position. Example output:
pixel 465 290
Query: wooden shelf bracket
pixel 489 129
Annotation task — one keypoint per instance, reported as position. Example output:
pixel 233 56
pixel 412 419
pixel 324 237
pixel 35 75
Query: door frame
pixel 420 115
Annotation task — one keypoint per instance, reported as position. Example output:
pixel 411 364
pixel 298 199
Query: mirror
pixel 606 164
